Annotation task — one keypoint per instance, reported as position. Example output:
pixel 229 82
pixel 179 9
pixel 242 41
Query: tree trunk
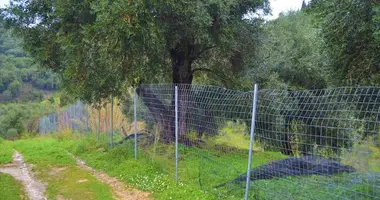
pixel 286 147
pixel 183 77
pixel 161 114
pixel 164 115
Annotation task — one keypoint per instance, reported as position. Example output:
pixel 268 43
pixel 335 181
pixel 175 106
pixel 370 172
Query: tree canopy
pixel 350 30
pixel 99 46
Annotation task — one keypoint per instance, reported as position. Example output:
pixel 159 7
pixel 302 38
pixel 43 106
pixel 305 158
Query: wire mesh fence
pixel 107 121
pixel 309 144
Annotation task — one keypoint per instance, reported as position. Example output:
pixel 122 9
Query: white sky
pixel 278 6
pixel 3 2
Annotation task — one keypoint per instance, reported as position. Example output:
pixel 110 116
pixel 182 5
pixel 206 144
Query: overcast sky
pixel 2 2
pixel 278 6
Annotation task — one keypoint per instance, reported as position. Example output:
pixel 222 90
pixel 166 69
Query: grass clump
pixel 10 189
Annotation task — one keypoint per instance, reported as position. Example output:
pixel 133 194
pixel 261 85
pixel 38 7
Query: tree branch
pixel 201 69
pixel 206 49
pixel 202 51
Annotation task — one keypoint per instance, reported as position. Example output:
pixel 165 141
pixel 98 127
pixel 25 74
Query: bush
pixel 66 99
pixel 11 134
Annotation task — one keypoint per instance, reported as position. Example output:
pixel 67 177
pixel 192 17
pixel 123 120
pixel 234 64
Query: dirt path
pixel 20 171
pixel 120 191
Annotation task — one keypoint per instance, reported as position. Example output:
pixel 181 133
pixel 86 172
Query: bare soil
pixel 21 171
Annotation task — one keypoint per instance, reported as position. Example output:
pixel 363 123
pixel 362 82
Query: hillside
pixel 20 79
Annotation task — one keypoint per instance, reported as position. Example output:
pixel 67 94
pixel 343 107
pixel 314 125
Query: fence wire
pixel 310 144
pixel 84 119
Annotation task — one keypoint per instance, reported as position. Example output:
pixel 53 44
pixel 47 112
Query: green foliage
pixel 19 77
pixel 350 31
pixel 10 189
pixel 11 134
pixel 66 99
pixel 99 47
pixel 20 117
pixel 290 55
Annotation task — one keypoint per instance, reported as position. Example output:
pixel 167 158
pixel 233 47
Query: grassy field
pixel 10 189
pixel 200 170
pixel 54 166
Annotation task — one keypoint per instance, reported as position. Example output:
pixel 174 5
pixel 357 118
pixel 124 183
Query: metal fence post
pixel 72 119
pixel 87 116
pixel 111 121
pixel 176 133
pixel 255 95
pixel 97 137
pixel 135 121
pixel 105 121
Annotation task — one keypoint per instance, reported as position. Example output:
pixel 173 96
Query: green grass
pixel 6 152
pixel 200 170
pixel 10 189
pixel 56 167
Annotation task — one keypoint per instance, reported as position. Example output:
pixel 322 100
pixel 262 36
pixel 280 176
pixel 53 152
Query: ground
pixel 58 172
pixel 82 167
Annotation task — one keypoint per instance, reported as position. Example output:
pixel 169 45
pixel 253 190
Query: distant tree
pixel 7 96
pixel 290 55
pixel 12 134
pixel 17 69
pixel 14 88
pixel 350 30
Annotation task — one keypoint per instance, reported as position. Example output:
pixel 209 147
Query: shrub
pixel 11 134
pixel 66 99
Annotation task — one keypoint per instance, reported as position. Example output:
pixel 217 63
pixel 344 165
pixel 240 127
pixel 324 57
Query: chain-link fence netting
pixel 74 117
pixel 107 121
pixel 212 128
pixel 329 138
pixel 310 144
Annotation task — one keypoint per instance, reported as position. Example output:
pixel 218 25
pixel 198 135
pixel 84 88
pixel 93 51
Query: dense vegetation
pixel 20 78
pixel 17 119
